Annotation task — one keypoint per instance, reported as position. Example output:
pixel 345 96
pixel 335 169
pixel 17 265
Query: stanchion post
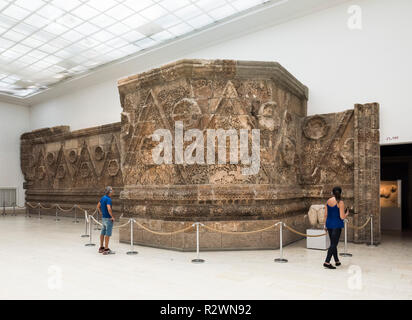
pixel 281 259
pixel 90 244
pixel 4 208
pixel 345 253
pixel 75 214
pixel 85 235
pixel 131 252
pixel 98 220
pixel 57 219
pixel 14 209
pixel 39 210
pixel 197 260
pixel 372 243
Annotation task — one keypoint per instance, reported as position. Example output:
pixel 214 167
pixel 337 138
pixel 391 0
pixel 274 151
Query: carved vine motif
pixel 347 152
pixel 187 111
pixel 41 172
pixel 315 127
pixel 61 172
pixel 84 170
pixel 50 158
pixel 288 151
pixel 268 116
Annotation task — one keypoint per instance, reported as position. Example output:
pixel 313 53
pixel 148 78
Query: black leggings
pixel 334 235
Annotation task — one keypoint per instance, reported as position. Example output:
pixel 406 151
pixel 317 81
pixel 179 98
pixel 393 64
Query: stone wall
pixel 70 168
pixel 301 158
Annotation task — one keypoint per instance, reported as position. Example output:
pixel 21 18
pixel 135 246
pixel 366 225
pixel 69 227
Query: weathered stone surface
pixel 301 158
pixel 69 168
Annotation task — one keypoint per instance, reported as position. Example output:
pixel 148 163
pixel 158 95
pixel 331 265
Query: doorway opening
pixel 396 164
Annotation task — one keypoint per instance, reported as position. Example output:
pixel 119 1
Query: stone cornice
pixel 230 69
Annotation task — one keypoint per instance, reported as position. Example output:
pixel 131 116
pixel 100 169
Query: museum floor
pixel 36 253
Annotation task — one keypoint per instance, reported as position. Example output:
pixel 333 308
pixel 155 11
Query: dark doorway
pixel 396 164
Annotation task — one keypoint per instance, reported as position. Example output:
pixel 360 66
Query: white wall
pixel 14 122
pixel 88 107
pixel 340 66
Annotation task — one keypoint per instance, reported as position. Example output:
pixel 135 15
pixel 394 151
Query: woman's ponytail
pixel 337 192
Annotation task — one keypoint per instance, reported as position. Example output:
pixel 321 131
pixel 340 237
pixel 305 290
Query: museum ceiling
pixel 45 43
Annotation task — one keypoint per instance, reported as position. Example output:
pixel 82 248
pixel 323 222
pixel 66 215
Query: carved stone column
pixel 367 170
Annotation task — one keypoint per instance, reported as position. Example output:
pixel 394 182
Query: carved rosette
pixel 72 156
pixel 315 127
pixel 98 153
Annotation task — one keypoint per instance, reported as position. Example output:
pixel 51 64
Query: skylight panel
pixel 36 21
pixel 49 41
pixel 222 12
pixel 102 21
pixel 30 5
pixel 181 29
pixel 138 5
pixel 14 36
pixel 16 12
pixel 66 5
pixel 207 5
pixel 153 12
pixel 50 12
pixel 3 4
pixel 87 28
pixel 188 12
pixel 173 5
pixel 119 12
pixel 85 12
pixel 200 21
pixel 135 21
pixel 102 5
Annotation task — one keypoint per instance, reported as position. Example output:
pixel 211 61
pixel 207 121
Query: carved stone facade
pixel 69 168
pixel 301 158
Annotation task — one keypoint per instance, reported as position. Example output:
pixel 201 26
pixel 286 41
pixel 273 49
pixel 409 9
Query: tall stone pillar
pixel 367 171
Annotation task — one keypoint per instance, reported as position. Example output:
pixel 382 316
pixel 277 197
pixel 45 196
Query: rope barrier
pixel 96 221
pixel 123 225
pixel 80 208
pixel 361 227
pixel 65 210
pixel 304 234
pixel 31 206
pixel 239 232
pixel 42 207
pixel 163 233
pixel 87 217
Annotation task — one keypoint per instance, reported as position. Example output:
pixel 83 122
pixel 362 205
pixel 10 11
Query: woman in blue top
pixel 334 216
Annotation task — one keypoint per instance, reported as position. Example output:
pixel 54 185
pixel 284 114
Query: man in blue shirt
pixel 105 208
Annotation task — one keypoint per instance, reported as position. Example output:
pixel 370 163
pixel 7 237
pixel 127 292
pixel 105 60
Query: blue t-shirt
pixel 104 201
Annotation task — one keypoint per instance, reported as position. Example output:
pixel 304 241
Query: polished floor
pixel 44 259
